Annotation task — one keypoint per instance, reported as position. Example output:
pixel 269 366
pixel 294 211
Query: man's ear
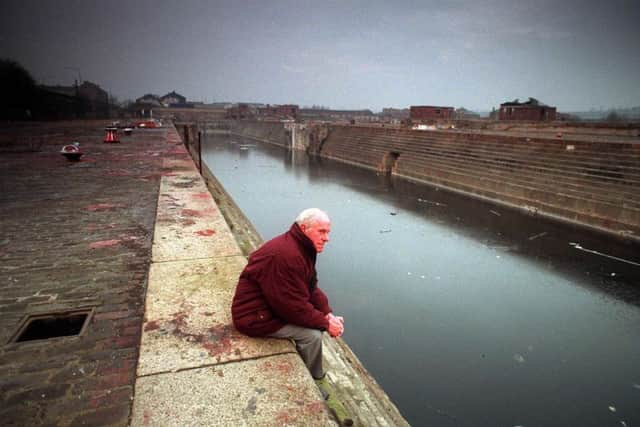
pixel 303 227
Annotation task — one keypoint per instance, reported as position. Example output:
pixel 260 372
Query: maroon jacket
pixel 279 286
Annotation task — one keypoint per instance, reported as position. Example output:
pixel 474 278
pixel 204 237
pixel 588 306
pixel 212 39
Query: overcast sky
pixel 573 54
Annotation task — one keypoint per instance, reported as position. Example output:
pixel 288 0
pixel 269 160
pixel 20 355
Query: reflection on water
pixel 466 313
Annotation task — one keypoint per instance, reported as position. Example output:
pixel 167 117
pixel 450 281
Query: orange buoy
pixel 111 136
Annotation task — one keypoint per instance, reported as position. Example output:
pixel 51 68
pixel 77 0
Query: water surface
pixel 466 313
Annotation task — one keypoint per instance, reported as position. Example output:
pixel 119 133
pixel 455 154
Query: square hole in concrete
pixel 52 325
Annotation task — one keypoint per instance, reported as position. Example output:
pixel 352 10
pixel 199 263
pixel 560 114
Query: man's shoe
pixel 324 387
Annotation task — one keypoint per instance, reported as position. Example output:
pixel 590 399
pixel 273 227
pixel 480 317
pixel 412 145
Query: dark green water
pixel 466 313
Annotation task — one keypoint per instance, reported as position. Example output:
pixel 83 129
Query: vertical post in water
pixel 200 151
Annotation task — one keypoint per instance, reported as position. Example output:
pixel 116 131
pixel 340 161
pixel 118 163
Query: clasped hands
pixel 336 325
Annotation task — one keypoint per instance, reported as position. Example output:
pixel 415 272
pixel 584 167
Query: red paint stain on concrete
pixel 118 173
pixel 315 407
pixel 284 367
pixel 201 195
pixel 151 326
pixel 283 418
pixel 104 243
pixel 146 417
pixel 101 207
pixel 169 174
pixel 217 340
pixel 207 232
pixel 191 212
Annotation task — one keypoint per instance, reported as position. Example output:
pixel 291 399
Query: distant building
pixel 279 111
pixel 62 90
pixel 337 115
pixel 150 100
pixel 395 113
pixel 94 99
pixel 93 93
pixel 173 99
pixel 464 114
pixel 426 113
pixel 532 110
pixel 240 111
pixel 224 105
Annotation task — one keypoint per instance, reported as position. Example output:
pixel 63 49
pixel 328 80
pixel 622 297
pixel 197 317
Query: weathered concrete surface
pixel 195 368
pixel 75 235
pixel 188 321
pixel 189 224
pixel 272 391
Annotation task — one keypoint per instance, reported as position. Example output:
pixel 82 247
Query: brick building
pixel 426 113
pixel 532 110
pixel 279 111
pixel 240 111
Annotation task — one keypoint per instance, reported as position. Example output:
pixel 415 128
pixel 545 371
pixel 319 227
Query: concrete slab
pixel 187 180
pixel 189 225
pixel 271 391
pixel 176 164
pixel 188 318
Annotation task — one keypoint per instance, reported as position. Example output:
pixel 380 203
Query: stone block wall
pixel 591 183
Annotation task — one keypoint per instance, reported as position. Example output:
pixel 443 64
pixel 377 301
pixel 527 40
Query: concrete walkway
pixel 194 368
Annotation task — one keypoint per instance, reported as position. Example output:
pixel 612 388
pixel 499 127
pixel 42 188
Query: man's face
pixel 318 233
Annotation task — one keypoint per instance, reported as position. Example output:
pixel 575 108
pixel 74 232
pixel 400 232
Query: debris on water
pixel 385 230
pixel 591 251
pixel 422 277
pixel 408 273
pixel 613 274
pixel 393 213
pixel 612 408
pixel 535 236
pixel 495 213
pixel 498 256
pixel 623 424
pixel 518 358
pixel 431 202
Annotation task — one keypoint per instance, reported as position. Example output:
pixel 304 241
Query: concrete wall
pixel 591 183
pixel 270 132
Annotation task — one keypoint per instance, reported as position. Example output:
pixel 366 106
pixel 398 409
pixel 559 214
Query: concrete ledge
pixel 270 391
pixel 188 321
pixel 194 367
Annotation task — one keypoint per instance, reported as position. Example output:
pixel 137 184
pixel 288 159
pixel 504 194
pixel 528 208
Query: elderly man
pixel 278 294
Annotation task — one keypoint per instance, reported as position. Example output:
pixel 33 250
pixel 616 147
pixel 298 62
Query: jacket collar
pixel 305 243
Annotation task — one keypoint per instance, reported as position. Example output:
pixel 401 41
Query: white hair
pixel 312 215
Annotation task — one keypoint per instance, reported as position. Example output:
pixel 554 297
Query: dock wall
pixel 592 182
